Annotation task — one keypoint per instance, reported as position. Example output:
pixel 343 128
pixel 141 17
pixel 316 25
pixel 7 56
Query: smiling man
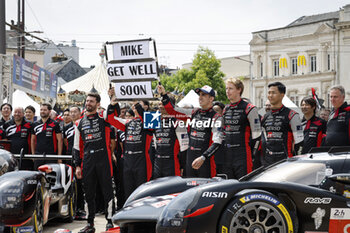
pixel 338 133
pixel 205 136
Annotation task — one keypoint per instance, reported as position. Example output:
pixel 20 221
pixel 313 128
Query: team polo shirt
pixel 46 136
pixel 19 135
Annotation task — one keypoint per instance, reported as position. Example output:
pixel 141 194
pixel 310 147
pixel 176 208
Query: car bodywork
pixel 302 194
pixel 28 199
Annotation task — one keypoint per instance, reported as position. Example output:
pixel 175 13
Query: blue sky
pixel 178 26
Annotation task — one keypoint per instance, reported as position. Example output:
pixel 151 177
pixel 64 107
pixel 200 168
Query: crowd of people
pixel 114 153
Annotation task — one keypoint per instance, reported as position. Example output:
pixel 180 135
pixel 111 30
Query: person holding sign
pixel 205 136
pixel 137 162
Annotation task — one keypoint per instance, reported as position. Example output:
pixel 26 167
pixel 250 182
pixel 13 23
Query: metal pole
pixel 1 78
pixel 22 26
pixel 2 27
pixel 18 25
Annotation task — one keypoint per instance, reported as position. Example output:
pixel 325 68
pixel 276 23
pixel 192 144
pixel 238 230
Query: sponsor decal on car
pixel 28 229
pixel 260 197
pixel 339 220
pixel 318 216
pixel 224 229
pixel 318 200
pixel 160 203
pixel 215 194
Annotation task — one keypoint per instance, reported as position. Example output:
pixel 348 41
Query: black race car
pixel 28 199
pixel 308 193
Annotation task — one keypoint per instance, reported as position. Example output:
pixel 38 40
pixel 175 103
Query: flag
pixel 319 102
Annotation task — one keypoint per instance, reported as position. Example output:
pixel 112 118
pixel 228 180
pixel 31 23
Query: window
pixel 295 99
pixel 313 63
pixel 261 70
pixel 294 65
pixel 276 68
pixel 328 62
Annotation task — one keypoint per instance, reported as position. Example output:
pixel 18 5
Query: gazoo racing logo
pixel 318 200
pixel 215 194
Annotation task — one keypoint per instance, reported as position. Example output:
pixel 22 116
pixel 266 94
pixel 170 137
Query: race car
pixel 307 193
pixel 28 199
pixel 8 162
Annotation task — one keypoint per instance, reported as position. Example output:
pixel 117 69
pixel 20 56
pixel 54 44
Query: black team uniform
pixel 167 150
pixel 92 153
pixel 68 133
pixel 242 132
pixel 338 127
pixel 282 129
pixel 137 162
pixel 314 132
pixel 202 140
pixel 46 139
pixel 20 136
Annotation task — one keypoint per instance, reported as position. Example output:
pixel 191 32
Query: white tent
pixel 288 103
pixel 190 99
pixel 21 99
pixel 97 78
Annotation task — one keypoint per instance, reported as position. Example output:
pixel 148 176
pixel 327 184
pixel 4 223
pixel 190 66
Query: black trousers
pixel 98 170
pixel 135 173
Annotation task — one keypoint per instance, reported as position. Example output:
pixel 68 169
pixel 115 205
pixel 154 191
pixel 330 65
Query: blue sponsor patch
pixel 151 120
pixel 27 229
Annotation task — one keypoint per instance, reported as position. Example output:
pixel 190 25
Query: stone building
pixel 311 52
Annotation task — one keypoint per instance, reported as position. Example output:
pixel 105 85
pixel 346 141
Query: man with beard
pixel 18 130
pixel 281 127
pixel 204 141
pixel 92 155
pixel 46 135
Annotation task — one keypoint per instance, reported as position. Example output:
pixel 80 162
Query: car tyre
pixel 38 214
pixel 72 203
pixel 257 212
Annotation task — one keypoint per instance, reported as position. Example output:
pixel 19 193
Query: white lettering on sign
pixel 134 70
pixel 131 50
pixel 133 90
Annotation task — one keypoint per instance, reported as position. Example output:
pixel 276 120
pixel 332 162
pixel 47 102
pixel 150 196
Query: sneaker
pixel 109 226
pixel 89 228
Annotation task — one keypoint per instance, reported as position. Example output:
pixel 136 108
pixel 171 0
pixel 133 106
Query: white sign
pixel 131 71
pixel 131 50
pixel 133 90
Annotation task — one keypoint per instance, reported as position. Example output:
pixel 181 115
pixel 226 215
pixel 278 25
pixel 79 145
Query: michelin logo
pixel 151 120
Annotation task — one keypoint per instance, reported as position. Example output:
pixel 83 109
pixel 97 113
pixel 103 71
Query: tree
pixel 205 70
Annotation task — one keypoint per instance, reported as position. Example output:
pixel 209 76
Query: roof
pixel 303 20
pixel 315 18
pixel 55 67
pixel 11 41
pixel 96 78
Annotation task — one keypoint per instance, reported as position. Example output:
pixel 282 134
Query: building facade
pixel 311 52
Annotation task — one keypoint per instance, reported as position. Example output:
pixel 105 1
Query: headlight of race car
pixel 173 214
pixel 11 194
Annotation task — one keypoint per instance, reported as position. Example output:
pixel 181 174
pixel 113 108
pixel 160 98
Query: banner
pixel 283 63
pixel 131 71
pixel 133 90
pixel 131 50
pixel 301 60
pixel 33 79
